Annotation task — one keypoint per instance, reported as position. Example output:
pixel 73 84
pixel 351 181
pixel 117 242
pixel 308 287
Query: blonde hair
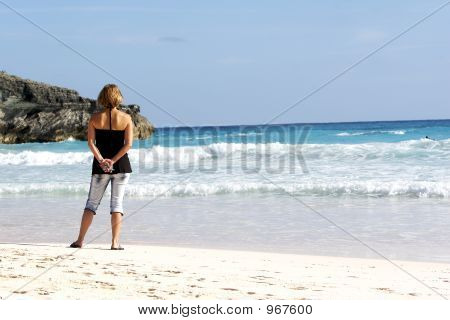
pixel 110 96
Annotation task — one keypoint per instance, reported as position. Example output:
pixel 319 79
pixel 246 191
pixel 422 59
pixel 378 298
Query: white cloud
pixel 144 39
pixel 370 35
pixel 234 60
pixel 133 39
pixel 171 39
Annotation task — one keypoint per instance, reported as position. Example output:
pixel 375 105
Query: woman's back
pixel 110 126
pixel 118 121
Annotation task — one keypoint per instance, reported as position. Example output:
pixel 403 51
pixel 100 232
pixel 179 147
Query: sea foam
pixel 413 149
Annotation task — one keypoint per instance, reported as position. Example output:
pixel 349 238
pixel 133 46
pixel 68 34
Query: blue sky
pixel 240 62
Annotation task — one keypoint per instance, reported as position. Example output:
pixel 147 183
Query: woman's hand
pixel 110 164
pixel 107 165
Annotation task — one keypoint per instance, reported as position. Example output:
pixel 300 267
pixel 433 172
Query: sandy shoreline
pixel 156 272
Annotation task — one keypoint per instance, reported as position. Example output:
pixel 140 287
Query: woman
pixel 110 136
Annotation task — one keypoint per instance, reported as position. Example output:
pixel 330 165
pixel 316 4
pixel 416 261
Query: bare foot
pixel 76 244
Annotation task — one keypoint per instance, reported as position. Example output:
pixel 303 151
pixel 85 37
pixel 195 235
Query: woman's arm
pixel 91 141
pixel 128 142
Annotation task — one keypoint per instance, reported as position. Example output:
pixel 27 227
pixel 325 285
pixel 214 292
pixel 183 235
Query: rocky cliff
pixel 32 111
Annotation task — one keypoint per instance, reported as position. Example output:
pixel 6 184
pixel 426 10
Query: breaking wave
pixel 412 189
pixel 422 148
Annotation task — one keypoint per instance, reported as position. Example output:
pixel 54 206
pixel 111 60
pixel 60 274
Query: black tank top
pixel 109 142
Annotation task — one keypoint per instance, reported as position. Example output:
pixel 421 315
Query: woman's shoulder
pixel 95 117
pixel 124 114
pixel 98 119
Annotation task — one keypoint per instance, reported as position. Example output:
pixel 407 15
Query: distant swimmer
pixel 427 137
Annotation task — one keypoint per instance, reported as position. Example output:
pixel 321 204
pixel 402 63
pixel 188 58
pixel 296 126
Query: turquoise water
pixel 375 159
pixel 250 187
pixel 322 133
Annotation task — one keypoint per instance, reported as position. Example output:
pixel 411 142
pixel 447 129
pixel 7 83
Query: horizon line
pixel 300 123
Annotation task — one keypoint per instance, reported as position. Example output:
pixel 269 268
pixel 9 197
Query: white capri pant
pixel 99 182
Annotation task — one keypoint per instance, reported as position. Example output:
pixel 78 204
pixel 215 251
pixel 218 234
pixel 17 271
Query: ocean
pixel 288 188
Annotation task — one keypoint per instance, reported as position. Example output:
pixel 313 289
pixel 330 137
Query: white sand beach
pixel 157 272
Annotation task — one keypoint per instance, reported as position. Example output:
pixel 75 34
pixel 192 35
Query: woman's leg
pixel 86 221
pixel 116 224
pixel 118 184
pixel 99 182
